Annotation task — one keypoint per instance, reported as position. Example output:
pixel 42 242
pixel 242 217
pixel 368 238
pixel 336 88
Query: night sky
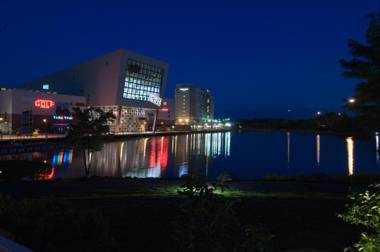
pixel 259 58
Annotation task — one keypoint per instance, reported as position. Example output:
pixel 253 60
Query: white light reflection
pixel 227 144
pixel 318 138
pixel 377 147
pixel 350 155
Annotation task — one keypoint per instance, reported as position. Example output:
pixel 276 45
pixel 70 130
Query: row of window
pixel 139 81
pixel 131 88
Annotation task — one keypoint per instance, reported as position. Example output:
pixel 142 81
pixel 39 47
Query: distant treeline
pixel 329 122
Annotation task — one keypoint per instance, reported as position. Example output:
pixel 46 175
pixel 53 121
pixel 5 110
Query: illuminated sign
pixel 56 117
pixel 44 104
pixel 45 86
pixel 155 99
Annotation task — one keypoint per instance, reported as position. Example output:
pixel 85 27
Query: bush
pixel 364 210
pixel 207 222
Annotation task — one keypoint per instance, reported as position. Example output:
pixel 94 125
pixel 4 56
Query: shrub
pixel 364 210
pixel 207 222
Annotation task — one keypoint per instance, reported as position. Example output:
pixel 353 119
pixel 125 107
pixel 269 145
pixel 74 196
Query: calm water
pixel 243 155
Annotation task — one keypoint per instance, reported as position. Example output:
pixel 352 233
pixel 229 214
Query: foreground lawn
pixel 140 213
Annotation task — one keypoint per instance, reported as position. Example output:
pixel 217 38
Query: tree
pixel 365 67
pixel 87 131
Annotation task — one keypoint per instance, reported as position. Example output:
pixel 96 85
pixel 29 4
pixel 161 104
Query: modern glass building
pixel 128 84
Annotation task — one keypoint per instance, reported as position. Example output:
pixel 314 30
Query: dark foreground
pixel 139 213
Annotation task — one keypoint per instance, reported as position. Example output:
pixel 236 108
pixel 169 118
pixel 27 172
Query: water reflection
pixel 211 154
pixel 350 155
pixel 318 140
pixel 377 147
pixel 288 147
pixel 150 157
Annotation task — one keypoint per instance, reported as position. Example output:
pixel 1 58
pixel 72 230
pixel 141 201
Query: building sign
pixel 45 86
pixel 155 99
pixel 44 104
pixel 57 117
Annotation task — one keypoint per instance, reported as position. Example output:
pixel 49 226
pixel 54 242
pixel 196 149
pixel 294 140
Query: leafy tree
pixel 364 210
pixel 87 132
pixel 365 66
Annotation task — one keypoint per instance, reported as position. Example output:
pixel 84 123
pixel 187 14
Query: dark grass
pixel 141 212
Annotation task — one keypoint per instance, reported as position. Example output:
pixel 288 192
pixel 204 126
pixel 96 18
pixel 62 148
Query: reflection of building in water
pixel 194 152
pixel 318 139
pixel 62 158
pixel 150 157
pixel 350 155
pixel 142 158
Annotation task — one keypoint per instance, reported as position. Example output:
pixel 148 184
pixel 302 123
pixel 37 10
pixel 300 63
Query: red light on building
pixel 44 104
pixel 164 110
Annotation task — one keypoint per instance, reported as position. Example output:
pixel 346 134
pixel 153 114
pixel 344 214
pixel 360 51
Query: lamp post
pixel 1 128
pixel 44 120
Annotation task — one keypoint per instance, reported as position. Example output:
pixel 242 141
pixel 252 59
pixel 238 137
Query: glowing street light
pixel 351 100
pixel 319 113
pixel 44 120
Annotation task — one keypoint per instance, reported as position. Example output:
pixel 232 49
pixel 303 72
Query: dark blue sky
pixel 258 56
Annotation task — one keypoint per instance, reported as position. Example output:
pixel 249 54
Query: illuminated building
pixel 166 113
pixel 193 105
pixel 126 83
pixel 25 111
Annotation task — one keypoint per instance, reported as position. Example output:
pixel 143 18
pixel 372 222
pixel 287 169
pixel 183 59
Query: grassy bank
pixel 139 212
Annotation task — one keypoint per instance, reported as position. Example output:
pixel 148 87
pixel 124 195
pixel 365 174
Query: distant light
pixel 183 89
pixel 45 86
pixel 227 124
pixel 44 120
pixel 289 110
pixel 319 113
pixel 351 100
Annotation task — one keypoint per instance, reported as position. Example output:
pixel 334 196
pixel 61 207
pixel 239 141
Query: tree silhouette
pixel 365 67
pixel 87 132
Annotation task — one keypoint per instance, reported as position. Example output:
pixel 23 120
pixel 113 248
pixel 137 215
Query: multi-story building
pixel 193 105
pixel 25 111
pixel 166 114
pixel 128 84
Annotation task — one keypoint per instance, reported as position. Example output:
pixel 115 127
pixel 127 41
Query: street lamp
pixel 351 100
pixel 319 113
pixel 44 120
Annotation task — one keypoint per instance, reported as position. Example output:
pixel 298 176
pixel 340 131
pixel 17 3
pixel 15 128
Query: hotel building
pixel 193 105
pixel 126 83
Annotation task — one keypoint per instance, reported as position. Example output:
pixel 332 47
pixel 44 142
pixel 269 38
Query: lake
pixel 246 155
